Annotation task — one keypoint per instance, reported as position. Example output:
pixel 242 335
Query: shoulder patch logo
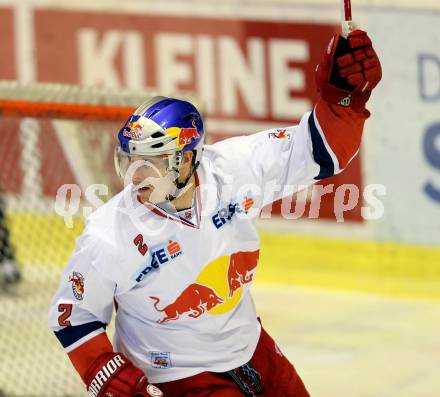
pixel 279 134
pixel 77 280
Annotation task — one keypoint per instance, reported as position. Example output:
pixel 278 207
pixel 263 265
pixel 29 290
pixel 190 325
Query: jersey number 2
pixel 66 310
pixel 142 247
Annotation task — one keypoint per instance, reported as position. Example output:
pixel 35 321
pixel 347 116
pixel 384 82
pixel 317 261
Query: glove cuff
pixel 355 101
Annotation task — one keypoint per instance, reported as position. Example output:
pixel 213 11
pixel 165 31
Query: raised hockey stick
pixel 347 20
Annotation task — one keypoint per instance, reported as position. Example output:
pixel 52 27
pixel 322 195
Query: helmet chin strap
pixel 176 170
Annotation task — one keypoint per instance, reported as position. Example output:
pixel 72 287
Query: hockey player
pixel 177 249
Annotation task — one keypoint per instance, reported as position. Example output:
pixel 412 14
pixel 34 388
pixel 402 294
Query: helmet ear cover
pixel 194 165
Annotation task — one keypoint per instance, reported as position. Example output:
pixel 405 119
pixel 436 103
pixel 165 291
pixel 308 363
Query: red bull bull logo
pixel 187 135
pixel 195 300
pixel 240 269
pixel 77 280
pixel 218 288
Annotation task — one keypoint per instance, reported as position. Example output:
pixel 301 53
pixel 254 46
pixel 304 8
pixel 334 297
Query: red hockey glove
pixel 349 71
pixel 113 375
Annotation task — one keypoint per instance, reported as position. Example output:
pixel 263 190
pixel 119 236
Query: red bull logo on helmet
pixel 187 135
pixel 77 280
pixel 133 130
pixel 183 136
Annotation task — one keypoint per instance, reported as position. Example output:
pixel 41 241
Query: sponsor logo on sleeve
pixel 77 280
pixel 226 214
pixel 279 134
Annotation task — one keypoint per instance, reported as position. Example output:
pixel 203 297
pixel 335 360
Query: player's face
pixel 152 180
pixel 149 174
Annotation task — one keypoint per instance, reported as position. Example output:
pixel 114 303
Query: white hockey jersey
pixel 181 282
